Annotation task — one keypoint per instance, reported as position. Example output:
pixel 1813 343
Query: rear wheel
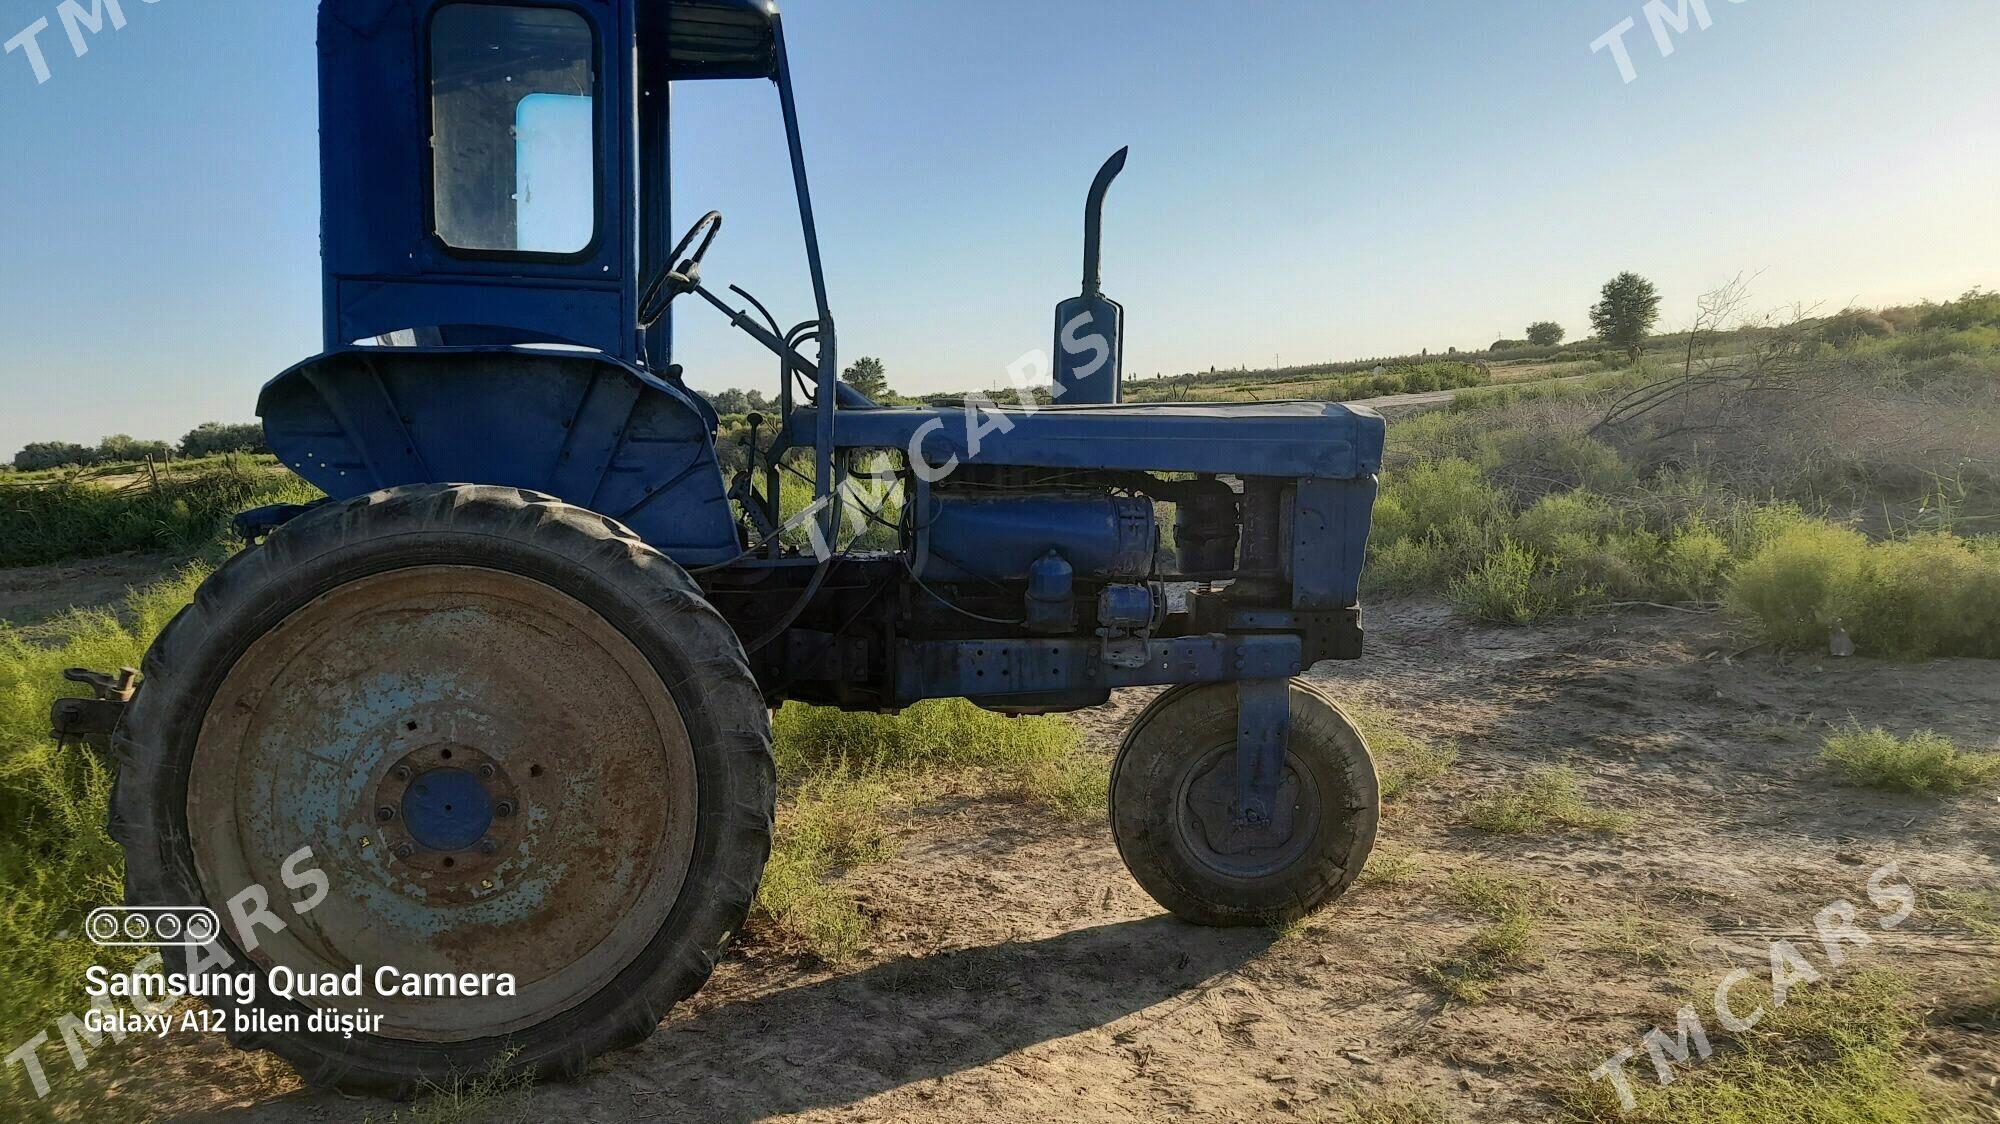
pixel 515 740
pixel 1173 793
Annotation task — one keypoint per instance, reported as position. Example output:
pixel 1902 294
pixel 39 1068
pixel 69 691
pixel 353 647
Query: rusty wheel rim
pixel 491 775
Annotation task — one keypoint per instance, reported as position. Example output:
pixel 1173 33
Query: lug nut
pixel 404 850
pixel 486 771
pixel 488 847
pixel 384 814
pixel 504 809
pixel 402 773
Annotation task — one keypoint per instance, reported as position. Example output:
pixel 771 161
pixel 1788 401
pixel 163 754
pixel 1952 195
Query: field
pixel 1609 686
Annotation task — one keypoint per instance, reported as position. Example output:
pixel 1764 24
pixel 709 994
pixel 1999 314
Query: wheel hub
pixel 447 810
pixel 452 814
pixel 1221 838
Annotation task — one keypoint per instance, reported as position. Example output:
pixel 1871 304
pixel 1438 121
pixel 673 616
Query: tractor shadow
pixel 843 1039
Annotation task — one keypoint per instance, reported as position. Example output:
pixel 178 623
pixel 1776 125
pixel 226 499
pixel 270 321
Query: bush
pixel 210 438
pixel 1976 309
pixel 1932 595
pixel 1854 325
pixel 43 455
pixel 1790 587
pixel 1924 762
pixel 1515 586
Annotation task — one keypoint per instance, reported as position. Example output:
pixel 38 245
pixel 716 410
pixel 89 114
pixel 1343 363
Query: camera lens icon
pixel 103 927
pixel 151 926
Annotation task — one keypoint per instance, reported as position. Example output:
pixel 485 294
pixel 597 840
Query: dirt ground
pixel 1016 973
pixel 32 595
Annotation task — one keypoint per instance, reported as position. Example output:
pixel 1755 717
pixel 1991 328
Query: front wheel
pixel 1173 795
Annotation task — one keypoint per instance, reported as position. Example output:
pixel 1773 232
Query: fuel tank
pixel 1002 537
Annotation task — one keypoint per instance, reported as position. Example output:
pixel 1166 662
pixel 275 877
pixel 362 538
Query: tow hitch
pixel 91 721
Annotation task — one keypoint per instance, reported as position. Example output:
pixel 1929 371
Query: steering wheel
pixel 683 277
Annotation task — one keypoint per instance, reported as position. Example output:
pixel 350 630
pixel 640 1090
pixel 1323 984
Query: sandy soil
pixel 1017 973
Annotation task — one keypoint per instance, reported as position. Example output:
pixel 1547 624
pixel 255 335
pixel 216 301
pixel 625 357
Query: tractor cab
pixel 498 173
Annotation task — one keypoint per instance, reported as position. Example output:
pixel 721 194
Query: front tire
pixel 515 738
pixel 1172 805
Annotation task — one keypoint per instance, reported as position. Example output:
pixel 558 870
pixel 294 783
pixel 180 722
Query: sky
pixel 1309 180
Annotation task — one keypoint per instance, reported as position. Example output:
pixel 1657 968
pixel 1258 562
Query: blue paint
pixel 447 810
pixel 998 539
pixel 579 198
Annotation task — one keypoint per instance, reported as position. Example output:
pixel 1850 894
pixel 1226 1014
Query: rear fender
pixel 586 428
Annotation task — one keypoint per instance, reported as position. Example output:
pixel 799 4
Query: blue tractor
pixel 511 682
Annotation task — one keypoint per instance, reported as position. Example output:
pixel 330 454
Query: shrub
pixel 210 438
pixel 1932 595
pixel 1976 309
pixel 1693 564
pixel 1513 585
pixel 1923 762
pixel 1845 329
pixel 42 455
pixel 1450 495
pixel 1790 587
pixel 1566 518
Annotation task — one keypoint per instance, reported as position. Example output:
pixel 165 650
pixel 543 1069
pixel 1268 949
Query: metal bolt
pixel 402 773
pixel 504 809
pixel 486 771
pixel 488 847
pixel 404 850
pixel 385 813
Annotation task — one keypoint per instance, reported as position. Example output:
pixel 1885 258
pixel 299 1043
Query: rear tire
pixel 577 673
pixel 1172 791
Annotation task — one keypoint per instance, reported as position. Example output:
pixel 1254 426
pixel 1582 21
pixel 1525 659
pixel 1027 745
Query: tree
pixel 729 403
pixel 870 377
pixel 1626 315
pixel 210 438
pixel 124 447
pixel 53 454
pixel 1545 333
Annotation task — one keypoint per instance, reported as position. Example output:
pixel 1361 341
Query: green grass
pixel 1404 761
pixel 1507 943
pixel 1397 1110
pixel 1492 895
pixel 1391 868
pixel 1836 1053
pixel 1923 762
pixel 1497 950
pixel 494 1095
pixel 1545 800
pixel 56 863
pixel 75 518
pixel 829 822
pixel 841 773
